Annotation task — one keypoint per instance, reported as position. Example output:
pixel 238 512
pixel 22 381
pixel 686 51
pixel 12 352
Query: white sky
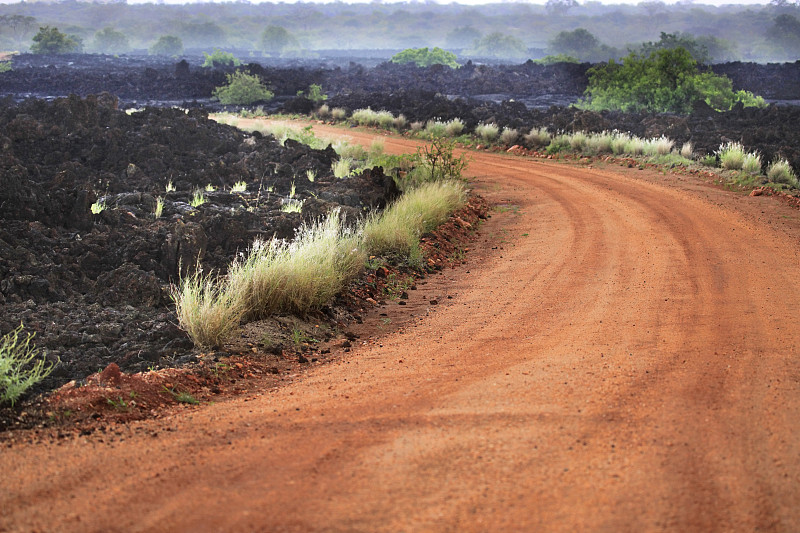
pixel 462 2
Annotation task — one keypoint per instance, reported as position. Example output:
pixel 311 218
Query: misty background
pixel 510 32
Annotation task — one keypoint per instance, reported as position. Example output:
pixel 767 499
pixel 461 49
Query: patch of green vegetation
pixel 21 367
pixel 666 81
pixel 242 89
pixel 553 59
pixel 220 58
pixel 423 57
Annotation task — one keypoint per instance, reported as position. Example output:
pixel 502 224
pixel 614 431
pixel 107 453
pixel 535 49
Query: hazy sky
pixel 463 2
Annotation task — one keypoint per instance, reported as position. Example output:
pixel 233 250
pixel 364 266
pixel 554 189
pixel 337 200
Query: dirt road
pixel 616 355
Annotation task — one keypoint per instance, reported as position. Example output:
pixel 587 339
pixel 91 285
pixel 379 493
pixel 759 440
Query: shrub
pixel 509 136
pixel 422 57
pixel 537 137
pixel 110 41
pixel 242 89
pixel 438 160
pixel 5 66
pixel 668 80
pixel 20 365
pixel 324 111
pixel 300 276
pixel 487 132
pixel 220 58
pixel 557 58
pixel 781 172
pixel 398 228
pixel 365 117
pixel 417 126
pixel 731 156
pixel 752 163
pixel 634 146
pixel 338 113
pixel 314 93
pixel 400 122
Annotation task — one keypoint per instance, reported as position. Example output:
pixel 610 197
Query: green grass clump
pixel 731 156
pixel 338 114
pixel 400 122
pixel 198 198
pixel 299 276
pixel 752 163
pixel 436 128
pixel 780 171
pixel 342 168
pixel 398 228
pixel 559 143
pixel 487 132
pixel 385 120
pixel 687 150
pixel 634 145
pixel 20 365
pixel 619 143
pixel 509 136
pixel 537 138
pixel 207 310
pixel 577 141
pixel 454 127
pixel 659 146
pixel 599 143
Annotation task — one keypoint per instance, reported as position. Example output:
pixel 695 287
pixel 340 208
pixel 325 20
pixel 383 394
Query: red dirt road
pixel 618 355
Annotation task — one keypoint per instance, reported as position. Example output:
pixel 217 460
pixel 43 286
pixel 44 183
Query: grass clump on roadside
pixel 397 230
pixel 20 365
pixel 780 171
pixel 731 156
pixel 487 132
pixel 298 276
pixel 207 310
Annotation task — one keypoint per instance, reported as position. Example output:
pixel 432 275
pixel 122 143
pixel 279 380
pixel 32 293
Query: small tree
pixel 422 57
pixel 51 41
pixel 167 45
pixel 242 89
pixel 462 37
pixel 110 41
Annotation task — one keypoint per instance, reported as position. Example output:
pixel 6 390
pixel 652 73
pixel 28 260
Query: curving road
pixel 618 355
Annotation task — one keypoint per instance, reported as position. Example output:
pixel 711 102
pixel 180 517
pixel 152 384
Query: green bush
pixel 314 94
pixel 5 66
pixel 781 172
pixel 553 59
pixel 731 156
pixel 487 132
pixel 110 41
pixel 422 57
pixel 242 89
pixel 665 81
pixel 220 58
pixel 51 41
pixel 20 365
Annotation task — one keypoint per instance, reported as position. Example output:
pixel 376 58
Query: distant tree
pixel 20 27
pixel 314 94
pixel 422 57
pixel 574 43
pixel 462 37
pixel 110 41
pixel 51 41
pixel 276 39
pixel 167 45
pixel 560 7
pixel 197 34
pixel 785 32
pixel 500 46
